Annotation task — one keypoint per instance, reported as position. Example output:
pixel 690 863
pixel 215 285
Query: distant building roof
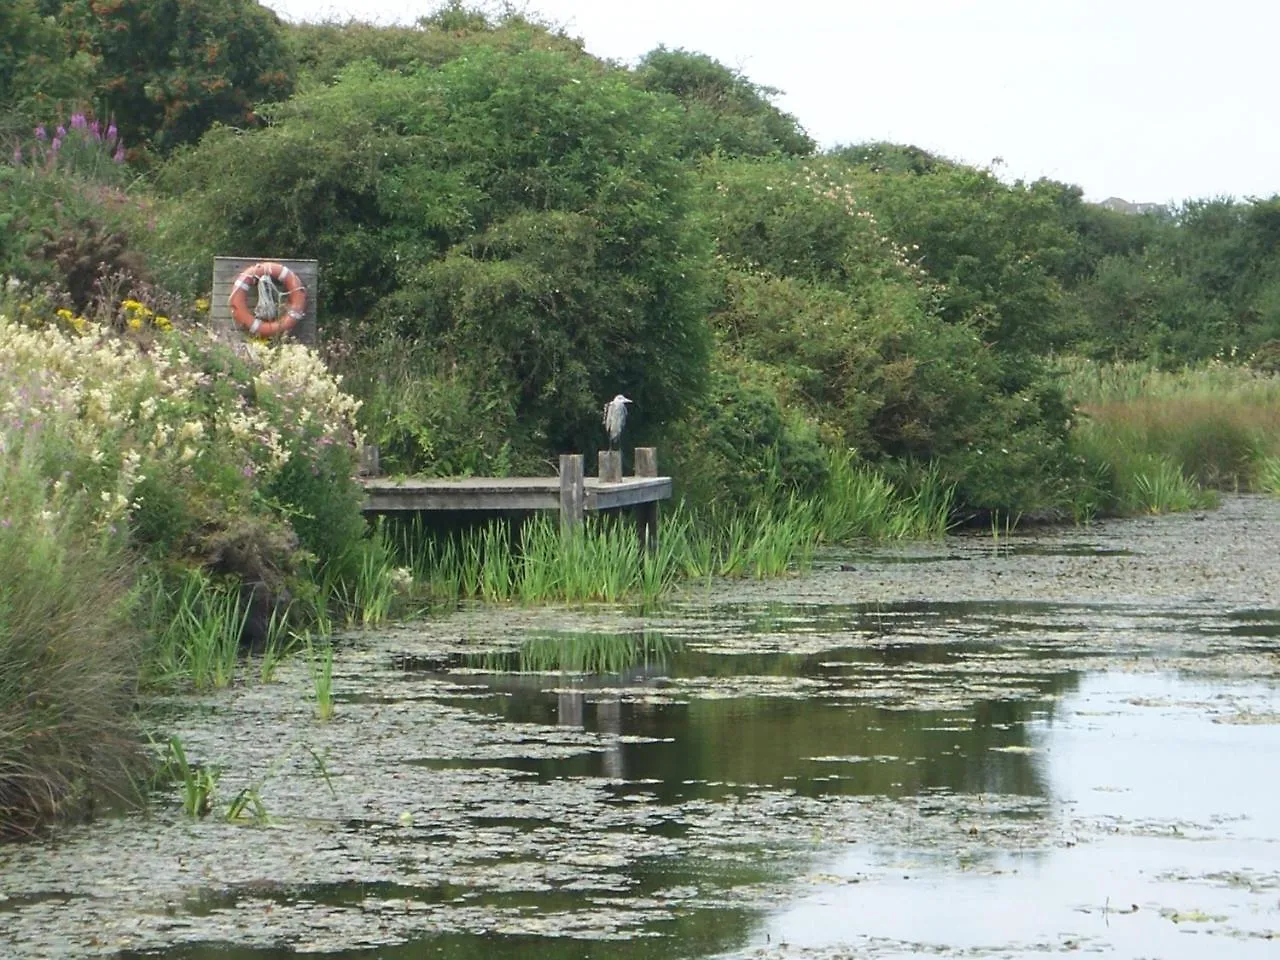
pixel 1124 206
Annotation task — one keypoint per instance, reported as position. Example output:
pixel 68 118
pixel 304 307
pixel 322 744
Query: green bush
pixel 522 213
pixel 850 332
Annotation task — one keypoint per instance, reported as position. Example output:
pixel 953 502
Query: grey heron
pixel 615 417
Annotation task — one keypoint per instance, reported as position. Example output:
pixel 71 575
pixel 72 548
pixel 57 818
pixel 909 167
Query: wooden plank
pixel 628 493
pixel 391 499
pixel 383 494
pixel 572 498
pixel 225 271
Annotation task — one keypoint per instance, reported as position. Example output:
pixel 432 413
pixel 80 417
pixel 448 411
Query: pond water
pixel 1063 741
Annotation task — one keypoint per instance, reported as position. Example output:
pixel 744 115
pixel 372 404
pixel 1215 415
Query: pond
pixel 1060 740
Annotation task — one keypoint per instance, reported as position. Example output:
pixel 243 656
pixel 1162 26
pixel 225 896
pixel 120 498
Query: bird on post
pixel 615 417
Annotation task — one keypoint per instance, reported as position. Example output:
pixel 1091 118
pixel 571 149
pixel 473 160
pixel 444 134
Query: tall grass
pixel 603 560
pixel 68 649
pixel 360 586
pixel 1156 440
pixel 196 632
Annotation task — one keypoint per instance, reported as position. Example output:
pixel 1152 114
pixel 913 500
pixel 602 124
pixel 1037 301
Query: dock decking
pixel 387 495
pixel 572 493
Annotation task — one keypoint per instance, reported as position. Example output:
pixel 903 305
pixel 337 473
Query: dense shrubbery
pixel 522 213
pixel 142 455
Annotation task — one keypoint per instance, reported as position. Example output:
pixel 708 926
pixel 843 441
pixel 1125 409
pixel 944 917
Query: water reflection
pixel 664 723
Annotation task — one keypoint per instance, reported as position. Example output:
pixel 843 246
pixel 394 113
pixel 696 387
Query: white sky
pixel 1149 100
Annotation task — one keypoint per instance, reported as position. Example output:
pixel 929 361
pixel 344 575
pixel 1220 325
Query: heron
pixel 615 417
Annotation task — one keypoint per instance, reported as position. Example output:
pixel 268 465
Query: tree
pixel 725 113
pixel 522 213
pixel 169 69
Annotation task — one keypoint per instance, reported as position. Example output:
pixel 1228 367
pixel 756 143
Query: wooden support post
pixel 610 467
pixel 573 492
pixel 646 460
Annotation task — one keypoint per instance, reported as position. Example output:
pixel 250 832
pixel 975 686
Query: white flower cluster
pixel 297 377
pixel 122 410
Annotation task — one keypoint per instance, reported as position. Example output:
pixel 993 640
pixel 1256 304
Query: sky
pixel 1148 100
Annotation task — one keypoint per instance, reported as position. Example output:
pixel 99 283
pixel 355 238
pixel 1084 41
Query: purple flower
pixel 60 132
pixel 96 127
pixel 247 471
pixel 118 156
pixel 41 133
pixel 78 121
pixel 112 133
pixel 56 144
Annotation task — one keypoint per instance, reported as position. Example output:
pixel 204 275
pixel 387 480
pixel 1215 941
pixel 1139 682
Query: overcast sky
pixel 1149 100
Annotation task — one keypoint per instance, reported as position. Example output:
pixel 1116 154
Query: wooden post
pixel 646 460
pixel 370 465
pixel 573 492
pixel 610 466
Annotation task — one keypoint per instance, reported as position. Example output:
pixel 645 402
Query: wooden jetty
pixel 572 493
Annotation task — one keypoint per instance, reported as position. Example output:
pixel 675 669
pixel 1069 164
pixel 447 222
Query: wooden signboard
pixel 225 271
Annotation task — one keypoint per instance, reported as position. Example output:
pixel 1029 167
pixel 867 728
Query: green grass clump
pixel 68 650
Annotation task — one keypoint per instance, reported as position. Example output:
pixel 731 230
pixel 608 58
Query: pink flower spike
pixel 61 131
pixel 96 127
pixel 41 133
pixel 118 156
pixel 55 145
pixel 112 132
pixel 78 121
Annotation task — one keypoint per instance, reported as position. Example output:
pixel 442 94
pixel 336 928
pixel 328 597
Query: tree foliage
pixel 524 213
pixel 725 112
pixel 169 69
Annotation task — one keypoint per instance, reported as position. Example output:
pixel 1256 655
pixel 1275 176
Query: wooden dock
pixel 571 493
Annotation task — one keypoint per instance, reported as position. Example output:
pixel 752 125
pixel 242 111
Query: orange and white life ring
pixel 249 277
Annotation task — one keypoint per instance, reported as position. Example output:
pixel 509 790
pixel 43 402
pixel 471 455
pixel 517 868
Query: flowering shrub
pixel 181 438
pixel 84 147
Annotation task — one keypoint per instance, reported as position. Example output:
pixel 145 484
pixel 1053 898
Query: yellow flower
pixel 64 313
pixel 135 323
pixel 202 304
pixel 163 323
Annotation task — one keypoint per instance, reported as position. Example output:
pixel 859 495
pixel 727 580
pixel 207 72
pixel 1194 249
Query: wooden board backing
pixel 225 271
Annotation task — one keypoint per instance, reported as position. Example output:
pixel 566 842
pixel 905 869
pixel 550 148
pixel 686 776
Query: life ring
pixel 239 299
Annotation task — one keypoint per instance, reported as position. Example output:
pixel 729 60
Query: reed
pixel 197 628
pixel 197 783
pixel 1156 440
pixel 320 662
pixel 603 560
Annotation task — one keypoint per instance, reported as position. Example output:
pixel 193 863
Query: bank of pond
pixel 158 527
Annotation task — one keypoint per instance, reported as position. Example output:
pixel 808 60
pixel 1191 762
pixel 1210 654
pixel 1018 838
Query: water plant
pixel 197 631
pixel 197 782
pixel 320 661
